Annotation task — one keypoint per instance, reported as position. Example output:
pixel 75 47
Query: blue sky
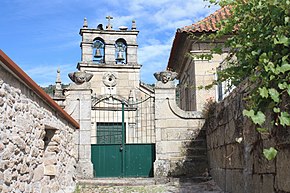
pixel 41 35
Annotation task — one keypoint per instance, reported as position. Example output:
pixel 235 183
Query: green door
pixel 111 158
pixel 112 154
pixel 107 154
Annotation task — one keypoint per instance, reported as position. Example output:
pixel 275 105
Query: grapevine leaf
pixel 276 110
pixel 284 68
pixel 274 94
pixel 264 92
pixel 282 85
pixel 282 40
pixel 270 153
pixel 258 118
pixel 284 119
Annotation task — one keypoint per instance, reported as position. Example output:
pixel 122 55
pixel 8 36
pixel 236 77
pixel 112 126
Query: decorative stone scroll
pixel 80 77
pixel 165 76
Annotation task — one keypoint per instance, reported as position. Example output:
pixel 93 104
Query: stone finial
pixel 109 26
pixel 165 76
pixel 133 25
pixel 58 80
pixel 85 25
pixel 80 77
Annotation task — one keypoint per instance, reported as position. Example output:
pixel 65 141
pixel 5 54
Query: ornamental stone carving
pixel 165 76
pixel 110 79
pixel 80 77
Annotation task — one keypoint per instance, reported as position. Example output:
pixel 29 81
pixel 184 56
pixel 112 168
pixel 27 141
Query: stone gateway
pixel 128 128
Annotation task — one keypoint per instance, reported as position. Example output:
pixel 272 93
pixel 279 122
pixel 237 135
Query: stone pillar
pixel 78 105
pixel 178 133
pixel 162 92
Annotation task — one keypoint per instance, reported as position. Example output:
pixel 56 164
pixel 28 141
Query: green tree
pixel 259 52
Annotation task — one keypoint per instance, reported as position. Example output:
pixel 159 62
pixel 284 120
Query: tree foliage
pixel 259 51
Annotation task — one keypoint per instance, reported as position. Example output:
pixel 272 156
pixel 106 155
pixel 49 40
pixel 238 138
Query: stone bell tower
pixel 111 56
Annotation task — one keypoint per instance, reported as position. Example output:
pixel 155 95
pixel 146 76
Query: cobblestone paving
pixel 175 187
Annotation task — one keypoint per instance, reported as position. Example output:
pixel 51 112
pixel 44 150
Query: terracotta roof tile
pixel 209 24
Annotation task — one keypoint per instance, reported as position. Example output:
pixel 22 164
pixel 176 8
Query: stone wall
pixel 180 142
pixel 235 150
pixel 37 151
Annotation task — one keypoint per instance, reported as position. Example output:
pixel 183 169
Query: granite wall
pixel 235 149
pixel 37 151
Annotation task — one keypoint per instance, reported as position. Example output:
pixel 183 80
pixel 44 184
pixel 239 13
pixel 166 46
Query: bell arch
pixel 98 50
pixel 121 51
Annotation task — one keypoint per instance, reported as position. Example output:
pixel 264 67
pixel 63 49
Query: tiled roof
pixel 4 59
pixel 209 24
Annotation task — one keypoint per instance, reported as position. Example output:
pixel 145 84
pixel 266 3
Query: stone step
pixel 117 181
pixel 197 185
pixel 196 151
pixel 198 143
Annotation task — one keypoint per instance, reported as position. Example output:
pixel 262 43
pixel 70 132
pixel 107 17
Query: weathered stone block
pixel 169 134
pixel 50 170
pixel 7 176
pixel 161 168
pixel 283 171
pixel 234 181
pixel 261 164
pixel 38 173
pixel 234 157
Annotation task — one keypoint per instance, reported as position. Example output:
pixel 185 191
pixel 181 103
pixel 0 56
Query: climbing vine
pixel 259 52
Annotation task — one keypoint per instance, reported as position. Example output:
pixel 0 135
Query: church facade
pixel 127 128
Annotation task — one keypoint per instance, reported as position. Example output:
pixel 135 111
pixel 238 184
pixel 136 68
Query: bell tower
pixel 111 56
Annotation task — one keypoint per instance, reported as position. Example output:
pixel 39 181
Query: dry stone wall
pixel 235 150
pixel 37 151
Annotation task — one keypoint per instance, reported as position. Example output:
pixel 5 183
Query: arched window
pixel 121 51
pixel 99 51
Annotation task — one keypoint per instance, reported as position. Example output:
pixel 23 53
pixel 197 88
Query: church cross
pixel 109 26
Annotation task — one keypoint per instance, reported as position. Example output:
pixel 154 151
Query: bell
pixel 120 57
pixel 98 54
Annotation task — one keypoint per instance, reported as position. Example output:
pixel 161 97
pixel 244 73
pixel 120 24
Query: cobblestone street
pixel 145 186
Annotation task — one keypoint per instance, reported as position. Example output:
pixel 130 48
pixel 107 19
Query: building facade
pixel 195 73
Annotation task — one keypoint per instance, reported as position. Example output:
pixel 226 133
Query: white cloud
pixel 46 74
pixel 153 52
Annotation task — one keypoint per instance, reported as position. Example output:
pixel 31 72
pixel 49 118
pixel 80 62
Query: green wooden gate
pixel 125 135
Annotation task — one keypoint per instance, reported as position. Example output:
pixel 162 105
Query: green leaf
pixel 274 94
pixel 276 110
pixel 286 20
pixel 262 130
pixel 264 92
pixel 263 58
pixel 270 153
pixel 282 40
pixel 258 118
pixel 284 118
pixel 248 113
pixel 283 85
pixel 284 68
